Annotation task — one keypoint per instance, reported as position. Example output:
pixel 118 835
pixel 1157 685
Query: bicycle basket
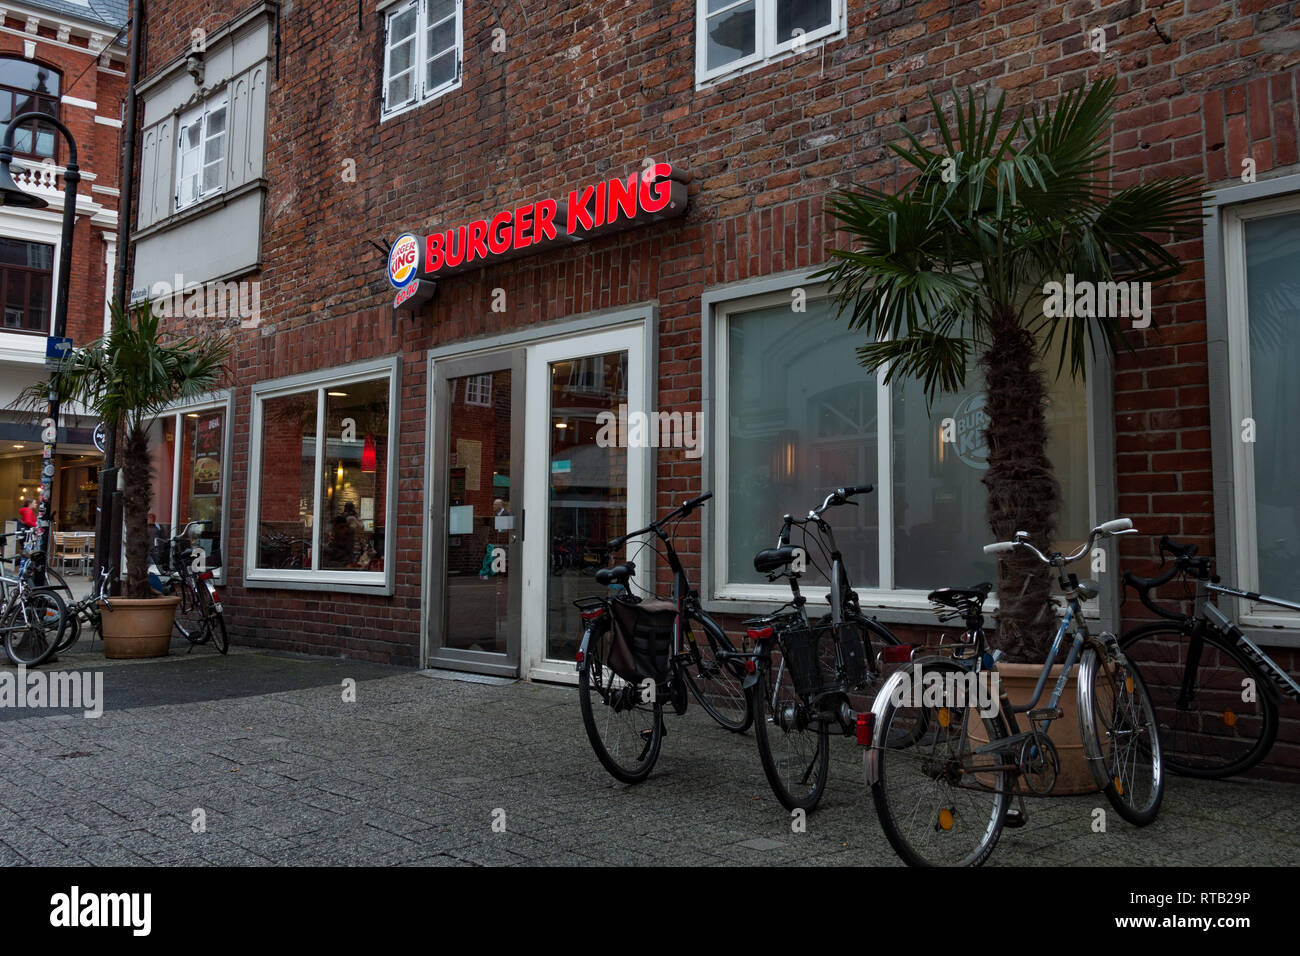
pixel 852 654
pixel 802 648
pixel 643 634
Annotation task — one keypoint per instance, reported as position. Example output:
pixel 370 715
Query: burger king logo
pixel 403 261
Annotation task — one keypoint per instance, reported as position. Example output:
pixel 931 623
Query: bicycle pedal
pixel 1014 819
pixel 1045 713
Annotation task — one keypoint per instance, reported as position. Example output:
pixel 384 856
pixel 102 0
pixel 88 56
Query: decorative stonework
pixel 63 34
pixel 33 24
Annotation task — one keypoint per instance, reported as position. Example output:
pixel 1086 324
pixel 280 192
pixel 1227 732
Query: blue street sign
pixel 55 347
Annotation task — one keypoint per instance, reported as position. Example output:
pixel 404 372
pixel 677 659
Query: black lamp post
pixel 11 195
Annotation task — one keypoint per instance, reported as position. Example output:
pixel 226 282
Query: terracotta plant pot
pixel 1018 680
pixel 139 627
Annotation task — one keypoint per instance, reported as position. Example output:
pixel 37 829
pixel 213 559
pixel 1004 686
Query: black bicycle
pixel 637 654
pixel 804 698
pixel 1216 694
pixel 199 616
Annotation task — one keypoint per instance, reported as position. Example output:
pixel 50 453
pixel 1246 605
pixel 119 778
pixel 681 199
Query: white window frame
pixel 320 382
pixel 221 401
pixel 478 390
pixel 757 596
pixel 768 48
pixel 200 115
pixel 420 58
pixel 1239 391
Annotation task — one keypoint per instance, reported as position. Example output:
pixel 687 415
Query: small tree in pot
pixel 957 265
pixel 131 375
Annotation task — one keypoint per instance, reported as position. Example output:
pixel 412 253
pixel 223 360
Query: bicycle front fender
pixel 871 755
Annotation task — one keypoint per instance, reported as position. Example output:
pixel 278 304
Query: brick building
pixel 372 457
pixel 64 58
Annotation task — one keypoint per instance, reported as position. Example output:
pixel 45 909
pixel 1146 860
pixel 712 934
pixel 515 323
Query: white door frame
pixel 537 459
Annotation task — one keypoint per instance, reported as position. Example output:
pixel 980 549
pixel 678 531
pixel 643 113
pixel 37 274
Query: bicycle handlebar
pixel 1185 561
pixel 1106 529
pixel 686 508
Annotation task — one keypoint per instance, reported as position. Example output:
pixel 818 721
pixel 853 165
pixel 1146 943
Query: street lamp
pixel 11 195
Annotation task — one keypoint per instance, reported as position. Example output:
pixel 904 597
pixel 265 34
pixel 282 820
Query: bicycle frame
pixel 1208 613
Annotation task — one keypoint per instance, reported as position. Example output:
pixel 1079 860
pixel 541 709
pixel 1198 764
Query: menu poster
pixel 207 454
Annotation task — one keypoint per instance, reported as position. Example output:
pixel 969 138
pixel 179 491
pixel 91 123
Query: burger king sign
pixel 404 261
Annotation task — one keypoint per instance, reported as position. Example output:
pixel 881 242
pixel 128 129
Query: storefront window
pixel 802 417
pixel 323 481
pixel 187 451
pixel 1271 248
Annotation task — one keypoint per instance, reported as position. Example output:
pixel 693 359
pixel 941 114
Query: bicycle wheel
pixel 33 628
pixel 71 633
pixel 719 686
pixel 1211 731
pixel 214 622
pixel 1120 736
pixel 190 622
pixel 941 794
pixel 625 730
pixel 793 743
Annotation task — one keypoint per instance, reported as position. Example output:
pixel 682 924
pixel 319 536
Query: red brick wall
pixel 585 91
pixel 98 152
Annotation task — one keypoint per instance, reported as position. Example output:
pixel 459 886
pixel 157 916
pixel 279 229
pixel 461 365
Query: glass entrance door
pixel 478 516
pixel 585 482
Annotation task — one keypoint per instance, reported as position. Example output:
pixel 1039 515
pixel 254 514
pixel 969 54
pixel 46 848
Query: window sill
pixel 199 209
pixel 379 584
pixel 430 98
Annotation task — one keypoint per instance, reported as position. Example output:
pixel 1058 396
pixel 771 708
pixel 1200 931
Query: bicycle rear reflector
pixel 897 653
pixel 759 633
pixel 592 613
pixel 866 723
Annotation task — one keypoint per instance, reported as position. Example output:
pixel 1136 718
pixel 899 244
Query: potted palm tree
pixel 955 268
pixel 130 375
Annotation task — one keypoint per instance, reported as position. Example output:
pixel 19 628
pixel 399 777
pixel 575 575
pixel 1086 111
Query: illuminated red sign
pixel 658 192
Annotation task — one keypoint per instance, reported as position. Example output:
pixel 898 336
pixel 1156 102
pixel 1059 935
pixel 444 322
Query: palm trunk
pixel 135 508
pixel 1023 494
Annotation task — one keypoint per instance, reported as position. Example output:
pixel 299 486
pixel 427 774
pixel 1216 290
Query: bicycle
pixel 1215 692
pixel 821 663
pixel 32 619
pixel 623 715
pixel 941 792
pixel 199 616
pixel 87 610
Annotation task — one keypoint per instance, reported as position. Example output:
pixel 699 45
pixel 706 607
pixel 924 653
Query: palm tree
pixel 130 375
pixel 955 267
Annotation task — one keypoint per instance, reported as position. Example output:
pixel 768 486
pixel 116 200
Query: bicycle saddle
pixel 955 597
pixel 618 574
pixel 769 559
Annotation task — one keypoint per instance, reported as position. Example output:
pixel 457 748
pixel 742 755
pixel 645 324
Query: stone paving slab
pixel 415 771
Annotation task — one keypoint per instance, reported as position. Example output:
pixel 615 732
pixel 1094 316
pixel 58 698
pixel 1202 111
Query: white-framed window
pixel 201 152
pixel 734 34
pixel 478 390
pixel 1261 243
pixel 423 53
pixel 323 479
pixel 796 416
pixel 190 448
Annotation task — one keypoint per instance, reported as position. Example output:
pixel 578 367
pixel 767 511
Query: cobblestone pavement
pixel 286 772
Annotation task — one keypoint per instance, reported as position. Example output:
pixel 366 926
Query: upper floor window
pixel 26 87
pixel 200 152
pixel 25 272
pixel 733 34
pixel 423 45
